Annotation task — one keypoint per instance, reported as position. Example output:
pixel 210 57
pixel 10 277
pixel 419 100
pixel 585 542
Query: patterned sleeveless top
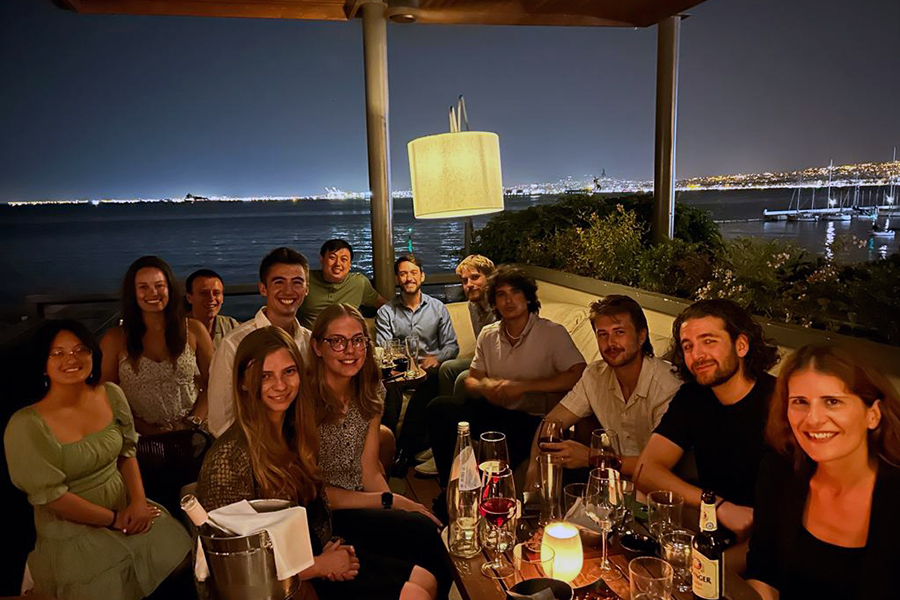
pixel 159 392
pixel 340 449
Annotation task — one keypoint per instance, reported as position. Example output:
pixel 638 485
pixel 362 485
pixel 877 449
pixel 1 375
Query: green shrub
pixel 608 239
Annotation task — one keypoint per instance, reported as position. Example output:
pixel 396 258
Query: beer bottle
pixel 707 553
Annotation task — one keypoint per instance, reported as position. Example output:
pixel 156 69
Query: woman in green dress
pixel 73 453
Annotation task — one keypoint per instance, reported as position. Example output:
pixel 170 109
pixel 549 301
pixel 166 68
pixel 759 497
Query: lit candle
pixel 563 538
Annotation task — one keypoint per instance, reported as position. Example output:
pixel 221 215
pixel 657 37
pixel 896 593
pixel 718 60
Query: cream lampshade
pixel 455 174
pixel 563 538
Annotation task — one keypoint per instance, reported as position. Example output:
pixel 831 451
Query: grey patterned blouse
pixel 340 449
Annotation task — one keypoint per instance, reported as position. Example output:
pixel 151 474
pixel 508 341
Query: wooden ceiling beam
pixel 320 10
pixel 575 13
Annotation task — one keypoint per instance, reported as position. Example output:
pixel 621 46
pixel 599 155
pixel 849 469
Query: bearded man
pixel 720 412
pixel 628 391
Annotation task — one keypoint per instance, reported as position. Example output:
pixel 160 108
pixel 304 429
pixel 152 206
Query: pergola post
pixel 375 52
pixel 667 36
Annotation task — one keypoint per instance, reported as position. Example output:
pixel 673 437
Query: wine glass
pixel 605 450
pixel 494 455
pixel 603 499
pixel 497 506
pixel 551 432
pixel 413 347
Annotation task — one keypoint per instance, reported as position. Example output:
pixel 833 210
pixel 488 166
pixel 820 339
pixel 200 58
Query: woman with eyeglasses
pixel 73 453
pixel 344 384
pixel 825 521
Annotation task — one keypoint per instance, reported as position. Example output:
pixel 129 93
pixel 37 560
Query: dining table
pixel 473 585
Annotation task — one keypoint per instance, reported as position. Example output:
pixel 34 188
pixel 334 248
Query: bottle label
pixel 708 517
pixel 465 468
pixel 705 576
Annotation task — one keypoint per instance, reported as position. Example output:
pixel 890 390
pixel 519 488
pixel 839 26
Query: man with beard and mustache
pixel 414 312
pixel 628 391
pixel 473 272
pixel 719 413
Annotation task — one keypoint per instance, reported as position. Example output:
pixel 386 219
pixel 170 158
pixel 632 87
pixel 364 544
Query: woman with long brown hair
pixel 158 356
pixel 269 452
pixel 344 385
pixel 826 521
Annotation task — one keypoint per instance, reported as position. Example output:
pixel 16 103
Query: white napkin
pixel 287 529
pixel 578 516
pixel 201 569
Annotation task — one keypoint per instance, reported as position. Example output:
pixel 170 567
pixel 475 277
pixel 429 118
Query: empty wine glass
pixel 603 499
pixel 497 506
pixel 605 450
pixel 413 347
pixel 493 454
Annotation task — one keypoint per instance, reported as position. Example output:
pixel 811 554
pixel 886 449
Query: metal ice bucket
pixel 243 567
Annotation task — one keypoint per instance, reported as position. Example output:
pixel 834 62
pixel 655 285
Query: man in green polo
pixel 335 283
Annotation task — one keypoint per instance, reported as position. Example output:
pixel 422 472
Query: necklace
pixel 513 338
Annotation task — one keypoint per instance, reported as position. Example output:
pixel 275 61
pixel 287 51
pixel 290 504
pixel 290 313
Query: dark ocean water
pixel 84 248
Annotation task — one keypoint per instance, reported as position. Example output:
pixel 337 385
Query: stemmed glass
pixel 603 501
pixel 394 351
pixel 412 352
pixel 497 506
pixel 605 450
pixel 493 453
pixel 551 432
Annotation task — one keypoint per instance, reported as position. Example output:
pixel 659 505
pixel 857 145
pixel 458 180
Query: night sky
pixel 113 106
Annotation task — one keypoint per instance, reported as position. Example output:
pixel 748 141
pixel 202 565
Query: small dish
pixel 638 544
pixel 561 590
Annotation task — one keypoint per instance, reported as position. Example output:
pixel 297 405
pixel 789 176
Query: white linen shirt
pixel 598 392
pixel 221 370
pixel 545 350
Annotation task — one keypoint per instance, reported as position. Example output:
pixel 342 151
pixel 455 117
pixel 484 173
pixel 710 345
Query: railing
pixel 102 309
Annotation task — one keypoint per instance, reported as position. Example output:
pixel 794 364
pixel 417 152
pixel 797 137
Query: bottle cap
pixel 463 426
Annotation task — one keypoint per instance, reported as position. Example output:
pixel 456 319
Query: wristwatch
pixel 387 500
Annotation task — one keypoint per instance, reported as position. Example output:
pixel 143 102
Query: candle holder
pixel 565 542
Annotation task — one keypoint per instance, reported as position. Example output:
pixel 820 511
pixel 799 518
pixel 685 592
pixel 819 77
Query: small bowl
pixel 638 544
pixel 561 590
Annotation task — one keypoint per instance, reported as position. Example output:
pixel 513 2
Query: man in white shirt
pixel 628 391
pixel 284 283
pixel 523 365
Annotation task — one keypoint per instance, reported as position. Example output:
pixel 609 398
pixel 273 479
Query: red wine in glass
pixel 497 511
pixel 605 460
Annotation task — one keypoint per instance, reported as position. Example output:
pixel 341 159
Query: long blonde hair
pixel 366 384
pixel 282 471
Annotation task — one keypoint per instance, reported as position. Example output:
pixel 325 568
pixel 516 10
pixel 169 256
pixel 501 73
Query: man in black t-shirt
pixel 719 413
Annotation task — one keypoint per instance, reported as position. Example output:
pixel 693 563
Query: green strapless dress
pixel 71 561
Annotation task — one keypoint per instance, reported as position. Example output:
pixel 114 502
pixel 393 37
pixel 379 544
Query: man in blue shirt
pixel 414 312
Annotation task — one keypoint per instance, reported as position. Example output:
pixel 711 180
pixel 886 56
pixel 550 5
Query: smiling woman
pixel 161 360
pixel 73 453
pixel 825 521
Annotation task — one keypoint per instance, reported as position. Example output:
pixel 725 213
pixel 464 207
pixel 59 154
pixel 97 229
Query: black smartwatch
pixel 387 500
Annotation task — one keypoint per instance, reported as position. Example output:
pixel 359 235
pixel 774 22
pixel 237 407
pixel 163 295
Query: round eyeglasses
pixel 339 343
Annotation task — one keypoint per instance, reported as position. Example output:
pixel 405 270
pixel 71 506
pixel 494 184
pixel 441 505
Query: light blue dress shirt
pixel 430 320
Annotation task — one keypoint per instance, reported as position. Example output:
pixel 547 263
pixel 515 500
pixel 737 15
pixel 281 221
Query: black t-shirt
pixel 727 440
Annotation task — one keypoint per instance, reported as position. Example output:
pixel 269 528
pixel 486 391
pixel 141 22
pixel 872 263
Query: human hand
pixel 428 362
pixel 404 503
pixel 572 454
pixel 136 518
pixel 738 519
pixel 508 390
pixel 337 562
